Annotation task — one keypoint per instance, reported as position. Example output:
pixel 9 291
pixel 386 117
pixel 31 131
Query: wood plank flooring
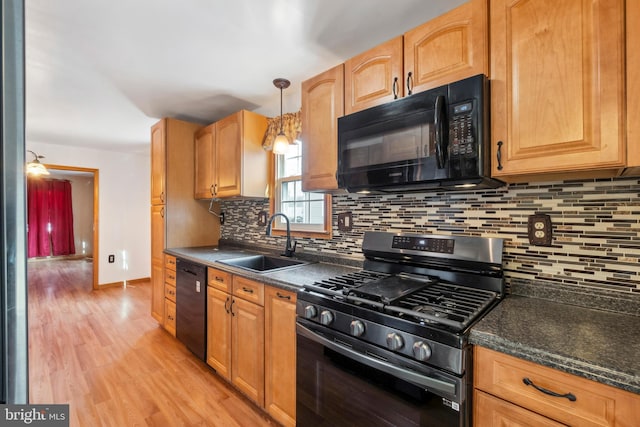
pixel 103 354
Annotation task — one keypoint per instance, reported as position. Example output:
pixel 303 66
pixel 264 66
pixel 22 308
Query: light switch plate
pixel 262 218
pixel 345 221
pixel 539 230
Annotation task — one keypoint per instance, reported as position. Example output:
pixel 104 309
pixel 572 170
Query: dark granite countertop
pixel 318 268
pixel 596 344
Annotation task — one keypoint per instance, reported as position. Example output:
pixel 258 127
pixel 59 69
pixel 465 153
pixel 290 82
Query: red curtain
pixel 50 218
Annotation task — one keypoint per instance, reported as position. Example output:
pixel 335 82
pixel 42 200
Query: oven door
pixel 342 381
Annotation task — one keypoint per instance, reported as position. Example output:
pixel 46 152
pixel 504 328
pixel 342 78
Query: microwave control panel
pixel 461 132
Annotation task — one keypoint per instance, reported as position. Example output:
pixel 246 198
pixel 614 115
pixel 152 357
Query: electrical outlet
pixel 539 230
pixel 345 221
pixel 112 259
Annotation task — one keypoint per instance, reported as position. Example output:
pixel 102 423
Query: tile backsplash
pixel 595 224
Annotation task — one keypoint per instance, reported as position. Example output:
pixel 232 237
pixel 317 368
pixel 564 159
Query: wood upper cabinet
pixel 448 48
pixel 582 402
pixel 205 162
pixel 280 355
pixel 374 77
pixel 158 163
pixel 322 104
pixel 451 47
pixel 633 87
pixel 230 160
pixel 557 88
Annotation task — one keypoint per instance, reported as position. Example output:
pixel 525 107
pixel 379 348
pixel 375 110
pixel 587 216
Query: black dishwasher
pixel 191 306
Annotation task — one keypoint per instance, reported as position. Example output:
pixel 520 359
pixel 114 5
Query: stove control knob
pixel 326 317
pixel 394 341
pixel 357 328
pixel 421 351
pixel 310 312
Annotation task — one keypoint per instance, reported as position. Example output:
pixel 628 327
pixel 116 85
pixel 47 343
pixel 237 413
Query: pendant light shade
pixel 34 167
pixel 281 143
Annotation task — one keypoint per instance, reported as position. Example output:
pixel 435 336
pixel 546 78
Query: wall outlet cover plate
pixel 539 229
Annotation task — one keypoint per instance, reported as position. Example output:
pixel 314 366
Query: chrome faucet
pixel 289 248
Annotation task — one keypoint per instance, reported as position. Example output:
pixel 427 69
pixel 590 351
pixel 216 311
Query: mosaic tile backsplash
pixel 595 224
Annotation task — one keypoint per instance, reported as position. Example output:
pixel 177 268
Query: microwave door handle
pixel 439 121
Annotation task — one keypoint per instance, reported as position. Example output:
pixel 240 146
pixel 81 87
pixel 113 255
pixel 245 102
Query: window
pixel 309 213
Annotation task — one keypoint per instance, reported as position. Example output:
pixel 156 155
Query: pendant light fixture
pixel 281 143
pixel 34 167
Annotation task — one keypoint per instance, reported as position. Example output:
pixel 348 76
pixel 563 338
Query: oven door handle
pixel 431 384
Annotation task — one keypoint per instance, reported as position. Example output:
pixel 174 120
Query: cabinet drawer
pixel 219 279
pixel 248 290
pixel 490 411
pixel 170 262
pixel 170 292
pixel 170 276
pixel 170 316
pixel 595 404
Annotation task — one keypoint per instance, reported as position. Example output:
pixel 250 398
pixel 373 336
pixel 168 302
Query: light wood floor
pixel 103 354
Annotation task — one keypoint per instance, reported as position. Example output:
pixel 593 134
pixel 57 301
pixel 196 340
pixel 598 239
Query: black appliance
pixel 191 306
pixel 388 345
pixel 437 139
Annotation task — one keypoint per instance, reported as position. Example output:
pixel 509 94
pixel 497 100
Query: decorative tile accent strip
pixel 595 223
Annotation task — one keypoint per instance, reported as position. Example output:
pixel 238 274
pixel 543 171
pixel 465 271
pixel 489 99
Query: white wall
pixel 124 218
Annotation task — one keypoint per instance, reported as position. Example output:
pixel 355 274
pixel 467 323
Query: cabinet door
pixel 374 77
pixel 489 411
pixel 280 355
pixel 228 152
pixel 247 349
pixel 633 87
pixel 157 262
pixel 158 163
pixel 205 162
pixel 557 87
pixel 170 316
pixel 451 47
pixel 157 292
pixel 322 104
pixel 219 332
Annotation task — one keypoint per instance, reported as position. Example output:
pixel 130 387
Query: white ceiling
pixel 99 73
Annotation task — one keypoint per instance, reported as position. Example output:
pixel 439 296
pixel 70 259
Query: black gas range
pixel 403 322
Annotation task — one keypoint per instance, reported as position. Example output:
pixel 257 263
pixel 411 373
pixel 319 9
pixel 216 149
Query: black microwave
pixel 436 139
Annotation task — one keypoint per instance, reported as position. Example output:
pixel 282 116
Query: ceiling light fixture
pixel 34 167
pixel 281 143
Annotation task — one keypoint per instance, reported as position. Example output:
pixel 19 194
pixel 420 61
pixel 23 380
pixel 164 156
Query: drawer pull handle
pixel 569 396
pixel 219 279
pixel 247 290
pixel 283 296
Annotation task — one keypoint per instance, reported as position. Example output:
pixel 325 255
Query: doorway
pixel 85 186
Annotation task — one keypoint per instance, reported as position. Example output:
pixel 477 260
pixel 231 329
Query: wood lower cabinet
pixel 170 294
pixel 280 355
pixel 557 89
pixel 322 104
pixel 505 399
pixel 235 331
pixel 157 262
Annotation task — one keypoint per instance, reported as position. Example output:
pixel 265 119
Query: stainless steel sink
pixel 263 263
